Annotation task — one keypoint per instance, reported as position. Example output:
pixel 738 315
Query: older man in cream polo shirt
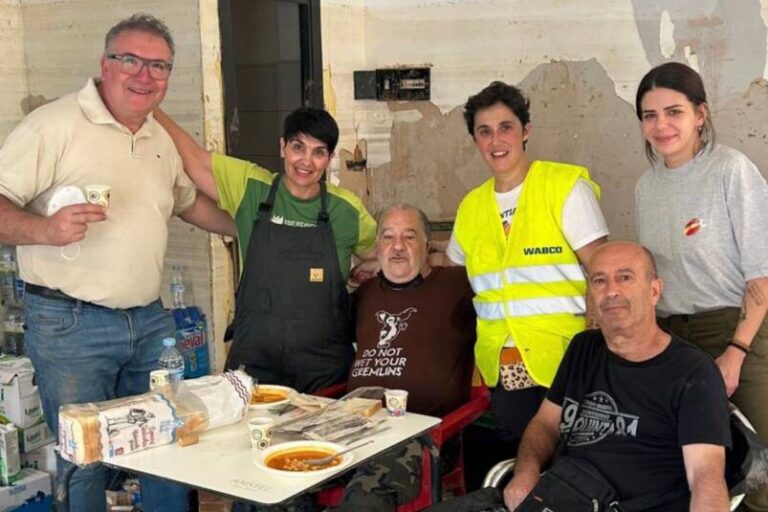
pixel 94 321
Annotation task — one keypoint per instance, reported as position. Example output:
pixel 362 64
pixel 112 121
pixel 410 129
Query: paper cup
pixel 397 400
pixel 260 432
pixel 98 194
pixel 158 378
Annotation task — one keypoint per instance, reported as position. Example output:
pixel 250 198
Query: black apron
pixel 293 316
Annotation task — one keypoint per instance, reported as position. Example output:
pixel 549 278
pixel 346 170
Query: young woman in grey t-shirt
pixel 701 210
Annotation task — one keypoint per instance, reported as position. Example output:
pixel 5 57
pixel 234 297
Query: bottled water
pixel 8 289
pixel 172 360
pixel 177 287
pixel 13 328
pixel 7 259
pixel 8 294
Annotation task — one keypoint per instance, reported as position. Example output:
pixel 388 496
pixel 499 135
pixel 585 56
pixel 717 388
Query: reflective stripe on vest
pixel 527 307
pixel 533 274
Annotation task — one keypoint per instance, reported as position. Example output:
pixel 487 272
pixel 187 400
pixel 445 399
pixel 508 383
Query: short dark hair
pixel 405 207
pixel 680 78
pixel 141 22
pixel 497 92
pixel 314 122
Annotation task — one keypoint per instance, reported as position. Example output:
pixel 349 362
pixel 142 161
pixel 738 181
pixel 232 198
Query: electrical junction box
pixel 393 84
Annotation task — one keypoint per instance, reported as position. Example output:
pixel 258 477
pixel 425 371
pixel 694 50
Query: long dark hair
pixel 680 78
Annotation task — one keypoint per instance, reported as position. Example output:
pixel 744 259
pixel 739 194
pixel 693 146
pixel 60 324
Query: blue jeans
pixel 87 353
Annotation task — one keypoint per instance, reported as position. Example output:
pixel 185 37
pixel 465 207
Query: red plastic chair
pixel 432 489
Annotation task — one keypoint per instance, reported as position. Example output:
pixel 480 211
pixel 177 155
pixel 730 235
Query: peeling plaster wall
pixel 63 41
pixel 580 63
pixel 13 76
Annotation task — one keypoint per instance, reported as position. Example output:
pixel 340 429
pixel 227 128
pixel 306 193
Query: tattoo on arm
pixel 754 291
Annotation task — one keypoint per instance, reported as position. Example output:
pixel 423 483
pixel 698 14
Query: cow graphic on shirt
pixel 393 325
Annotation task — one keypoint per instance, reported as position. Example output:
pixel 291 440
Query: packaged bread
pixel 100 431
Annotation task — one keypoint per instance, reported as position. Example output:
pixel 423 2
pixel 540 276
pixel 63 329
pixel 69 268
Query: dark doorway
pixel 271 65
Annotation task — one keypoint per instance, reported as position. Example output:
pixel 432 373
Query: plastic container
pixel 177 287
pixel 13 328
pixel 172 360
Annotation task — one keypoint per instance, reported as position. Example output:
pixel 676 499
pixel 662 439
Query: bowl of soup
pixel 288 459
pixel 267 396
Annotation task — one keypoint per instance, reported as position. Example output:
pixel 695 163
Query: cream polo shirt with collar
pixel 76 141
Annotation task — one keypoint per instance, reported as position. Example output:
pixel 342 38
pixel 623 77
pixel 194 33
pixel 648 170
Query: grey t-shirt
pixel 707 225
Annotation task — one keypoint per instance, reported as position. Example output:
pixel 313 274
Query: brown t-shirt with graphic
pixel 419 339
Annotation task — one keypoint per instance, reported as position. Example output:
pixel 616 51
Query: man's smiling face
pixel 130 98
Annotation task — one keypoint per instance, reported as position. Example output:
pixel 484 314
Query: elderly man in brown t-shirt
pixel 415 331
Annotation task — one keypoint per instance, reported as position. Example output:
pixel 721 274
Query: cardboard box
pixel 41 459
pixel 19 399
pixel 10 462
pixel 34 437
pixel 31 493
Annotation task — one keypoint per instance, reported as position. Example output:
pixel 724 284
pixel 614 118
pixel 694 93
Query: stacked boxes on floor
pixel 27 459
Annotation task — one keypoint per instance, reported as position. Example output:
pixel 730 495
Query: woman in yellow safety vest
pixel 523 237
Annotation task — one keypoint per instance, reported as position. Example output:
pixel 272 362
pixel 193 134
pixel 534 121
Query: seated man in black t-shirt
pixel 647 409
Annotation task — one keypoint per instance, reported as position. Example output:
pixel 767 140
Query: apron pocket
pixel 255 299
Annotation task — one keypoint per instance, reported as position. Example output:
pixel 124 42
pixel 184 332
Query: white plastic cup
pixel 260 432
pixel 98 194
pixel 397 402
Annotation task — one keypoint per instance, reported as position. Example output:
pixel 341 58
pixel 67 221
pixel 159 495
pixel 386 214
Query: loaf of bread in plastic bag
pixel 100 431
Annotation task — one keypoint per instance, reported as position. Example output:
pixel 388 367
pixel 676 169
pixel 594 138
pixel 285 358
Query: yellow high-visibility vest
pixel 529 284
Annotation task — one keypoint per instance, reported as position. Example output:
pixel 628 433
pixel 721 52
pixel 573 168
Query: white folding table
pixel 222 462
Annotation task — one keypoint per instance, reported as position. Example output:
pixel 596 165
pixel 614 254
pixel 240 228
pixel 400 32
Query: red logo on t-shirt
pixel 693 226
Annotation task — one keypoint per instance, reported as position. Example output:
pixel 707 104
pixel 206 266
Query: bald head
pixel 631 250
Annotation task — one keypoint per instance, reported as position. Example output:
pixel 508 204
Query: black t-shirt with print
pixel 634 418
pixel 420 339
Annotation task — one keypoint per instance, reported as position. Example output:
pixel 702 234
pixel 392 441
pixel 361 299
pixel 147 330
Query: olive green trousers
pixel 711 331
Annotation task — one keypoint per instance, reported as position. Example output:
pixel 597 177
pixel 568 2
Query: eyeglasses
pixel 133 64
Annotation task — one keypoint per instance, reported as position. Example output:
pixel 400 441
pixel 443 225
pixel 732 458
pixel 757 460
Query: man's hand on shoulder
pixel 70 224
pixel 362 272
pixel 519 487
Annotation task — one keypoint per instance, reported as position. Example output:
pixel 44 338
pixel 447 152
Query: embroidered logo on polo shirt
pixel 693 226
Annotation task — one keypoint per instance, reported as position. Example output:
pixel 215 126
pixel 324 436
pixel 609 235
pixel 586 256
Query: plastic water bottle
pixel 7 259
pixel 8 289
pixel 8 276
pixel 13 328
pixel 172 360
pixel 177 287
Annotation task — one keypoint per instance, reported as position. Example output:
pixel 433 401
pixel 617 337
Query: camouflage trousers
pixel 391 479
